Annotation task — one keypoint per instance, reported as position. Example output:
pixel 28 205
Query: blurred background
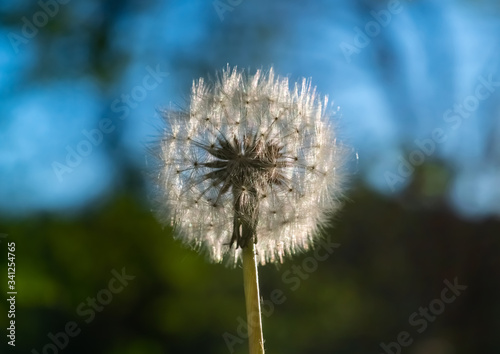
pixel 416 87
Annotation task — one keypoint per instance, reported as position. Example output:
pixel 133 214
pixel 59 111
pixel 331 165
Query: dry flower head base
pixel 249 171
pixel 249 160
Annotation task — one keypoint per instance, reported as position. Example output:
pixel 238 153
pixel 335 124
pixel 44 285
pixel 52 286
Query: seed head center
pixel 250 162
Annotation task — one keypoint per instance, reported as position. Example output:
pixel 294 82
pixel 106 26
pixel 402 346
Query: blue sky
pixel 412 81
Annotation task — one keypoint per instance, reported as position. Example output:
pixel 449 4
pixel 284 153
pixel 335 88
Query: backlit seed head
pixel 248 154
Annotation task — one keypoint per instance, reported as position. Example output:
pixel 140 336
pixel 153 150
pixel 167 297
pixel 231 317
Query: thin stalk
pixel 252 299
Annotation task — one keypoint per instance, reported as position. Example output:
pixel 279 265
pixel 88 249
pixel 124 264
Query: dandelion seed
pixel 249 161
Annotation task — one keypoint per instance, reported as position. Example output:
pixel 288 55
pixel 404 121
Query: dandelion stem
pixel 252 299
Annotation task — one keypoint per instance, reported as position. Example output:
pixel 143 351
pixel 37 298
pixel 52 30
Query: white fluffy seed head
pixel 249 149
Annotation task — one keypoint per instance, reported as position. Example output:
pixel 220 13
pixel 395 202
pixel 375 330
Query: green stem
pixel 252 298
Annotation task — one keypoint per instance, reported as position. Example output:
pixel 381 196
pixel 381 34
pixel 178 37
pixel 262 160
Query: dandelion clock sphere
pixel 249 171
pixel 249 160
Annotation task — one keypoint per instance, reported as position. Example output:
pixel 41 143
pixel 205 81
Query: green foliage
pixel 391 260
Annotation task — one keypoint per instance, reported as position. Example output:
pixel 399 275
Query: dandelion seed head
pixel 248 150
